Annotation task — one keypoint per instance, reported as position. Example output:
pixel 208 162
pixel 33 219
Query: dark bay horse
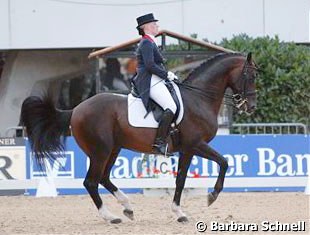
pixel 100 127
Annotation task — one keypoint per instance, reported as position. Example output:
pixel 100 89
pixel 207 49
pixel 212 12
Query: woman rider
pixel 151 77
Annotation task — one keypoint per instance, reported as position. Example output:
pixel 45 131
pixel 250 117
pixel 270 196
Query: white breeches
pixel 160 94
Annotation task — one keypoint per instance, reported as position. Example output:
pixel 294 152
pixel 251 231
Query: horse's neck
pixel 213 83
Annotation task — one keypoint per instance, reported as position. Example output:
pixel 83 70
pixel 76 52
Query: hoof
pixel 182 219
pixel 116 221
pixel 211 198
pixel 129 214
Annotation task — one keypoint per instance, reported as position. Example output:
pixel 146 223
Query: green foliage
pixel 283 85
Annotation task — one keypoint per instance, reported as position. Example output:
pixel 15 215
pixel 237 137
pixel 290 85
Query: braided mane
pixel 208 63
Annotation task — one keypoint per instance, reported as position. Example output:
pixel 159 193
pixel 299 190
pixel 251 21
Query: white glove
pixel 171 76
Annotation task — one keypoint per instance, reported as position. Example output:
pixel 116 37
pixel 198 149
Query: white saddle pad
pixel 137 111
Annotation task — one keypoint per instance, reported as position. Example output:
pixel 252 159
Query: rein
pixel 236 98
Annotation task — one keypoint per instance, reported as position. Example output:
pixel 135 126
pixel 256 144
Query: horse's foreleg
pixel 205 151
pixel 116 192
pixel 183 165
pixel 91 183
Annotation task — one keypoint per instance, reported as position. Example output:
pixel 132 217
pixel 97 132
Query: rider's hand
pixel 171 76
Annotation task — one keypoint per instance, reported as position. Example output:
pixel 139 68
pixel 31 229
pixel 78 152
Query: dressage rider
pixel 151 77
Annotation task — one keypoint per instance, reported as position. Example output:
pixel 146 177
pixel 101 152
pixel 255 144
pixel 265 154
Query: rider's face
pixel 151 28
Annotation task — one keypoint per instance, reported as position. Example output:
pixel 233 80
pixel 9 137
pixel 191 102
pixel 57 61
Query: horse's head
pixel 243 85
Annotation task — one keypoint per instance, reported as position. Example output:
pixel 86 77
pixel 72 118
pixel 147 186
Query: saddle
pixel 138 116
pixel 155 108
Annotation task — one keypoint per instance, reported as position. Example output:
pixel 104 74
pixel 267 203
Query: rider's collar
pixel 152 37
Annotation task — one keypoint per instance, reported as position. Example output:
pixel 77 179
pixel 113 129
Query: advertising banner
pixel 12 158
pixel 12 162
pixel 256 163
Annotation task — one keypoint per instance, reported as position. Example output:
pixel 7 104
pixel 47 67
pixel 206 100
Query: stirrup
pixel 162 149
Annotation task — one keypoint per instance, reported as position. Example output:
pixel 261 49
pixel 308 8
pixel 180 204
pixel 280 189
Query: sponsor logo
pixel 60 167
pixel 5 164
pixel 282 164
pixel 12 162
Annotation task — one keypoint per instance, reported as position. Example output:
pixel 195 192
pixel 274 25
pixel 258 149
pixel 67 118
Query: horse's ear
pixel 249 57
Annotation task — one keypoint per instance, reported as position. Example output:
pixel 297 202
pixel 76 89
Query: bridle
pixel 238 98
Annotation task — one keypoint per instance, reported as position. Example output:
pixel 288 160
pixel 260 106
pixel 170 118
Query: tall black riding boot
pixel 162 132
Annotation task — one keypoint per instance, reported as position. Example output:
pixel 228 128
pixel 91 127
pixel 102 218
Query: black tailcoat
pixel 150 61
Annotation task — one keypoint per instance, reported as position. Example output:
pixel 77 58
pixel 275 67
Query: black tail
pixel 44 125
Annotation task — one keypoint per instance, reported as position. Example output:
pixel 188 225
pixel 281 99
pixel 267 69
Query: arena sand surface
pixel 77 214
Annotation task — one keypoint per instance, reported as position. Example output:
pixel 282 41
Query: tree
pixel 283 85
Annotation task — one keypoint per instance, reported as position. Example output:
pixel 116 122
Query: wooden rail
pixel 107 50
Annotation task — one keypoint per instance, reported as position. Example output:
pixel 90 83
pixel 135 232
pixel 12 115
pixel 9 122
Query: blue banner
pixel 249 157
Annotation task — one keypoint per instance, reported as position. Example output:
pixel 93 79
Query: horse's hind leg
pixel 91 183
pixel 118 194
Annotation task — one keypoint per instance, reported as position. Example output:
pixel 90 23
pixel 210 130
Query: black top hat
pixel 141 20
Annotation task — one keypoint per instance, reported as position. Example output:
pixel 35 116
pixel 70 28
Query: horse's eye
pixel 253 77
